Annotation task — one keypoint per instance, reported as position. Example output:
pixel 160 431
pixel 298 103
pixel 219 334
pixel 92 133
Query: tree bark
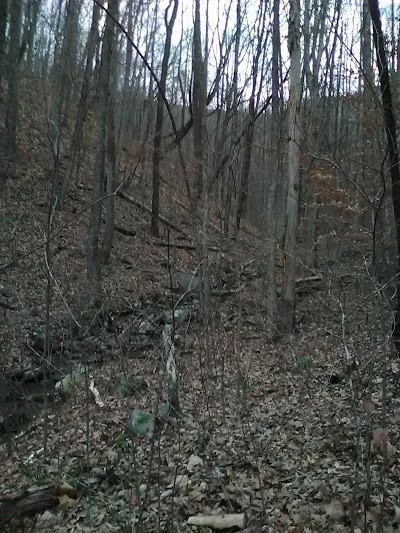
pixel 64 69
pixel 157 154
pixel 199 102
pixel 272 214
pixel 93 258
pixel 13 78
pixel 3 31
pixel 231 113
pixel 125 101
pixel 111 181
pixel 253 114
pixel 289 274
pixel 30 37
pixel 32 501
pixel 77 137
pixel 244 182
pixel 392 148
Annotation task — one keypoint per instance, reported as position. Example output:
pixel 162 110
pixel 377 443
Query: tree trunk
pixel 244 182
pixel 199 102
pixel 111 155
pixel 77 137
pixel 392 149
pixel 232 113
pixel 289 274
pixel 12 74
pixel 272 306
pixel 254 100
pixel 199 105
pixel 3 30
pixel 366 208
pixel 125 101
pixel 157 154
pixel 30 38
pixel 93 258
pixel 64 69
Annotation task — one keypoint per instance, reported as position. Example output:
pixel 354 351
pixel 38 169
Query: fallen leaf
pixel 335 510
pixel 194 462
pixel 368 406
pixel 65 503
pixel 111 455
pixel 48 517
pixel 166 494
pixel 196 496
pixel 379 436
pixel 181 482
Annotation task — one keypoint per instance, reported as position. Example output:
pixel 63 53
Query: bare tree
pixel 125 110
pixel 3 31
pixel 77 136
pixel 93 256
pixel 157 154
pixel 13 78
pixel 64 72
pixel 392 148
pixel 289 274
pixel 366 207
pixel 277 168
pixel 199 101
pixel 258 63
pixel 32 8
pixel 232 115
pixel 111 142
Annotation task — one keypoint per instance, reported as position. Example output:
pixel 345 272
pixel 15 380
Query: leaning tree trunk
pixel 392 149
pixel 292 202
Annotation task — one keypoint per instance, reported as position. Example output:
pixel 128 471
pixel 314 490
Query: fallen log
pixel 310 279
pixel 33 501
pixel 161 219
pixel 126 232
pixel 225 292
pixel 305 286
pixel 183 246
pixel 220 522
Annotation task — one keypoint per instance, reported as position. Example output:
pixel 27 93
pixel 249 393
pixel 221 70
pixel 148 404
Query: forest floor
pixel 298 432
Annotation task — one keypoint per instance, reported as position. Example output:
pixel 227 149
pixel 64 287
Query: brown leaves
pixel 379 436
pixel 368 406
pixel 335 510
pixel 65 503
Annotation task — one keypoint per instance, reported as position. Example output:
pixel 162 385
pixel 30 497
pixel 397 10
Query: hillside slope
pixel 270 426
